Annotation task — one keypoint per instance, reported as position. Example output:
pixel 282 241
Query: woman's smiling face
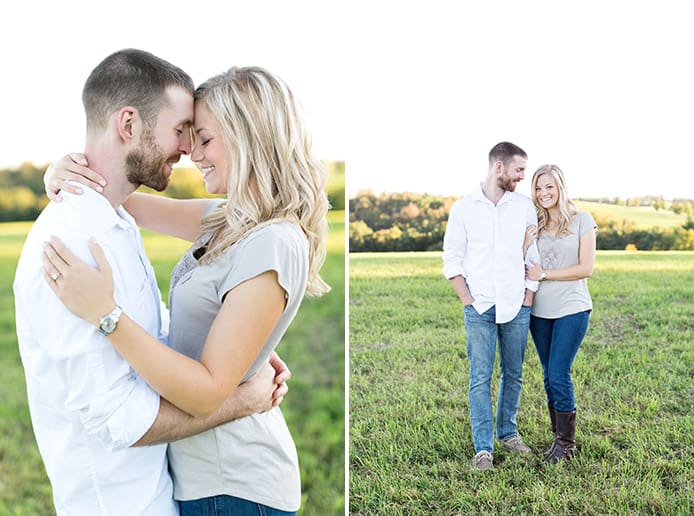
pixel 546 191
pixel 209 152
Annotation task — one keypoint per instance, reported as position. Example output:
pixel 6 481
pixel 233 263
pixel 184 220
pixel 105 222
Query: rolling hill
pixel 643 217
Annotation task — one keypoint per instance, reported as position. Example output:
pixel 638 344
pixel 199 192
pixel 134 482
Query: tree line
pixel 22 194
pixel 417 222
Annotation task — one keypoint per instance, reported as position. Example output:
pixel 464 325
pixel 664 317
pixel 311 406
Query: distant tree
pixel 682 206
pixel 19 203
pixel 27 175
pixel 336 184
pixel 359 235
pixel 392 234
pixel 684 240
pixel 409 211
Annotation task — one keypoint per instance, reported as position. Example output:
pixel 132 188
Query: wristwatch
pixel 543 276
pixel 108 323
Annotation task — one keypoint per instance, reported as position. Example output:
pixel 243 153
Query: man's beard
pixel 506 183
pixel 146 164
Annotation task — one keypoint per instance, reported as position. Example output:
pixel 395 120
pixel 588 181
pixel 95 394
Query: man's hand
pixel 461 288
pixel 282 376
pixel 467 300
pixel 255 395
pixel 264 390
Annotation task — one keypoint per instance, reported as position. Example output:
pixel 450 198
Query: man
pixel 96 422
pixel 483 259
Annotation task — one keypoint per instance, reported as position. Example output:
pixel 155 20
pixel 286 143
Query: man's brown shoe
pixel 516 444
pixel 483 461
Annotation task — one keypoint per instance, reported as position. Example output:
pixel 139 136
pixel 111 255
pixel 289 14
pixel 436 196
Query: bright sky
pixel 42 80
pixel 604 89
pixel 411 94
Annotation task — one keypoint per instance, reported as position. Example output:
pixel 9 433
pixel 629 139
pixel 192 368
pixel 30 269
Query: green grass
pixel 410 442
pixel 643 217
pixel 314 408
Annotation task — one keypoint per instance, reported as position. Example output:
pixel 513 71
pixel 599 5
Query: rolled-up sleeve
pixel 120 417
pixel 454 244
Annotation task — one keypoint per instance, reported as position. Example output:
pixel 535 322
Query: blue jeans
pixel 482 335
pixel 225 505
pixel 557 342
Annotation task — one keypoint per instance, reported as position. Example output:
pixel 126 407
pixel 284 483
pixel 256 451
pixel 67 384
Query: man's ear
pixel 128 123
pixel 499 167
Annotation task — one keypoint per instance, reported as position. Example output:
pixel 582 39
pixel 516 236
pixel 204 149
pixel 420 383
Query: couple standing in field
pixel 515 265
pixel 109 382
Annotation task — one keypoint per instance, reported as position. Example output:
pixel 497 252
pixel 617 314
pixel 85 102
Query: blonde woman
pixel 233 294
pixel 562 305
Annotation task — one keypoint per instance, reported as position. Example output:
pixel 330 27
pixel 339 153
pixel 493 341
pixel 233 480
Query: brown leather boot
pixel 565 440
pixel 553 421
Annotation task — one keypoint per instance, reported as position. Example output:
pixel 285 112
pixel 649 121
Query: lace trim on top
pixel 188 261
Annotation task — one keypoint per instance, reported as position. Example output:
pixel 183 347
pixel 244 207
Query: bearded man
pixel 483 259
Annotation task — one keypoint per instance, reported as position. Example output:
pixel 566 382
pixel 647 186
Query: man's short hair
pixel 504 152
pixel 130 77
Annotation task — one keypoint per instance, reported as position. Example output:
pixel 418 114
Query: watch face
pixel 108 325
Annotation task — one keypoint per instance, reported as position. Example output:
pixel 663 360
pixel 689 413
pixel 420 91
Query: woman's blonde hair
pixel 273 175
pixel 567 209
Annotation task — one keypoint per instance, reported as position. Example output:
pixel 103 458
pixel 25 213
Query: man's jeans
pixel 557 342
pixel 225 505
pixel 482 335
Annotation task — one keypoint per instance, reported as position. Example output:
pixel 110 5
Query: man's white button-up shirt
pixel 484 244
pixel 87 405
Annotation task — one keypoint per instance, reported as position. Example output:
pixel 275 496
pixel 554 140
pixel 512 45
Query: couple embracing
pixel 109 381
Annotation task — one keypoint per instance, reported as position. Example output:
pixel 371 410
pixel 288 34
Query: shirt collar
pixel 101 215
pixel 478 195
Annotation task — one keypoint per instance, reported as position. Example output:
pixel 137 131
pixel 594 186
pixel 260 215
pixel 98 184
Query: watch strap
pixel 108 323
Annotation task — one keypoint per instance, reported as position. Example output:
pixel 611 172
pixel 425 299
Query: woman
pixel 562 305
pixel 233 294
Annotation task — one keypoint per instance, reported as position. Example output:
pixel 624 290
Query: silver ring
pixel 55 276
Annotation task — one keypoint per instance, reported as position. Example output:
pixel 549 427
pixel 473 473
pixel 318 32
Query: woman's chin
pixel 212 188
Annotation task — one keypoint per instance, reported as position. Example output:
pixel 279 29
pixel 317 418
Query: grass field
pixel 314 408
pixel 410 442
pixel 643 217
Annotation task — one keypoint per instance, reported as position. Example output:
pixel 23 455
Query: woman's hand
pixel 530 235
pixel 533 273
pixel 85 291
pixel 71 167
